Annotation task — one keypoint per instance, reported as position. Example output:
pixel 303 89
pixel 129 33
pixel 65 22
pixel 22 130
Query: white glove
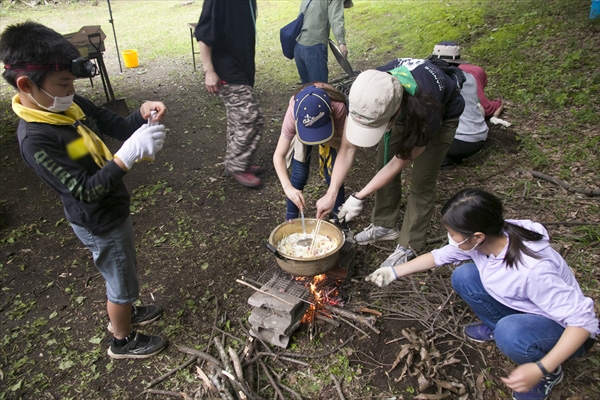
pixel 498 121
pixel 480 109
pixel 351 208
pixel 383 276
pixel 143 144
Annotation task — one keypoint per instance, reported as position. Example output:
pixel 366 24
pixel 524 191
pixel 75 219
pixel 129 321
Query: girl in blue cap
pixel 315 117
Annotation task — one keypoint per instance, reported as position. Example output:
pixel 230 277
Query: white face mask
pixel 455 244
pixel 60 104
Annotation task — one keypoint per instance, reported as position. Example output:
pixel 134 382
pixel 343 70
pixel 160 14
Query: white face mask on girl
pixel 455 244
pixel 60 103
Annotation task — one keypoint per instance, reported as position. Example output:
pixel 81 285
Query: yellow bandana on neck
pixel 89 142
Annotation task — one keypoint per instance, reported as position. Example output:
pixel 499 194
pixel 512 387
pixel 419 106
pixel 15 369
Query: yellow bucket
pixel 131 58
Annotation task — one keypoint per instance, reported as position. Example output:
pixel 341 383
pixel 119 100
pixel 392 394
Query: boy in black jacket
pixel 58 139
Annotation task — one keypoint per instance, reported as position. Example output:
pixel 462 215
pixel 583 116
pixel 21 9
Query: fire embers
pixel 419 357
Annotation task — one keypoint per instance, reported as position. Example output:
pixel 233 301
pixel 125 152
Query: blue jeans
pixel 522 337
pixel 114 256
pixel 299 177
pixel 311 62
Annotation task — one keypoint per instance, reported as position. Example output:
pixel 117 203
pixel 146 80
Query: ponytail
pixel 474 210
pixel 516 236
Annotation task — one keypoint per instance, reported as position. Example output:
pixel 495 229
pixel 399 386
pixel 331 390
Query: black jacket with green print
pixel 93 197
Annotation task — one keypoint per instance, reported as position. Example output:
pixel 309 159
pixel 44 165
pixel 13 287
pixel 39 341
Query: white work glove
pixel 498 121
pixel 383 276
pixel 480 109
pixel 350 209
pixel 143 144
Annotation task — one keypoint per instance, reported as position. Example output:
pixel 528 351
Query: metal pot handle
pixel 273 250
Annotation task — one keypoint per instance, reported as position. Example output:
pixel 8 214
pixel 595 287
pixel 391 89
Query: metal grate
pixel 285 283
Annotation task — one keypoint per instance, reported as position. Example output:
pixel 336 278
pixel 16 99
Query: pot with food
pixel 298 259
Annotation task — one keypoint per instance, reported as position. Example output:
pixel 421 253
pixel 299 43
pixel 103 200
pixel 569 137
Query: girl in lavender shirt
pixel 521 289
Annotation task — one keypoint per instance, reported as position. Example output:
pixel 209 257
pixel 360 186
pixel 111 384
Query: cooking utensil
pixel 343 61
pixel 273 250
pixel 305 241
pixel 315 233
pixel 308 266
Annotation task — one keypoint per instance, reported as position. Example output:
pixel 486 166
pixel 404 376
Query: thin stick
pixel 290 391
pixel 171 372
pixel 207 382
pixel 264 292
pixel 338 386
pixel 315 233
pixel 238 384
pixel 224 358
pixel 271 380
pixel 564 185
pixel 335 349
pixel 257 356
pixel 166 393
pixel 368 321
pixel 200 354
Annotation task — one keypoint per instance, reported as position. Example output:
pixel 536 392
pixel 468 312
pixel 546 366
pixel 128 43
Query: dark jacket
pixel 93 197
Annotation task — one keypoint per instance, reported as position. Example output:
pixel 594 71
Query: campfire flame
pixel 322 292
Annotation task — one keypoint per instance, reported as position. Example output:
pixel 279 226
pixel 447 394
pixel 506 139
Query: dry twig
pixel 338 386
pixel 161 378
pixel 563 184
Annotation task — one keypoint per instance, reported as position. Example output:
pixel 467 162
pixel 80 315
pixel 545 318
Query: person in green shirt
pixel 310 52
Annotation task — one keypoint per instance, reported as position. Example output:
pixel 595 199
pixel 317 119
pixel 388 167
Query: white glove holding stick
pixel 498 121
pixel 383 276
pixel 350 209
pixel 142 145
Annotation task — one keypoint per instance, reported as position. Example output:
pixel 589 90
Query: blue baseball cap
pixel 312 115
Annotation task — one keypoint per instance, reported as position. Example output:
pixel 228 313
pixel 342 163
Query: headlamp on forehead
pixel 80 67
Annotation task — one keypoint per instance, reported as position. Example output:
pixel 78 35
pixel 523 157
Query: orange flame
pixel 320 295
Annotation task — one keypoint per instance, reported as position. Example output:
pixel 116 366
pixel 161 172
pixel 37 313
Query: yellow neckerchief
pixel 325 160
pixel 89 142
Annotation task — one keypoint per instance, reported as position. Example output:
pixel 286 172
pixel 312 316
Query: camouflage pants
pixel 244 125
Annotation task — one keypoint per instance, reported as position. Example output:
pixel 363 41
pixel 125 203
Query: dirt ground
pixel 197 232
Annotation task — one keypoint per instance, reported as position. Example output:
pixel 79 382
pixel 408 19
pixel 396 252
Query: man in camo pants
pixel 226 34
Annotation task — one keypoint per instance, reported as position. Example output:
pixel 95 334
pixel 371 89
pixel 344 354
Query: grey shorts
pixel 114 256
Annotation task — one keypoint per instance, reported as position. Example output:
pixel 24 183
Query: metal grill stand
pixel 281 302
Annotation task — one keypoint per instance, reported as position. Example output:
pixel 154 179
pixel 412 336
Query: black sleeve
pixel 43 148
pixel 206 29
pixel 105 122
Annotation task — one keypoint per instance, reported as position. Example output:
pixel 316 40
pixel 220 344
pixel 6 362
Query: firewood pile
pixel 235 375
pixel 431 351
pixel 429 300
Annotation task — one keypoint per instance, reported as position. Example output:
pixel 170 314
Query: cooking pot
pixel 307 266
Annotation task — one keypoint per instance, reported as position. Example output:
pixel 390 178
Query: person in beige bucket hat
pixel 410 109
pixel 376 98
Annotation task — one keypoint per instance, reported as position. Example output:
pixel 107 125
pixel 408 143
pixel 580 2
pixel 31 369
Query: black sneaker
pixel 142 315
pixel 138 346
